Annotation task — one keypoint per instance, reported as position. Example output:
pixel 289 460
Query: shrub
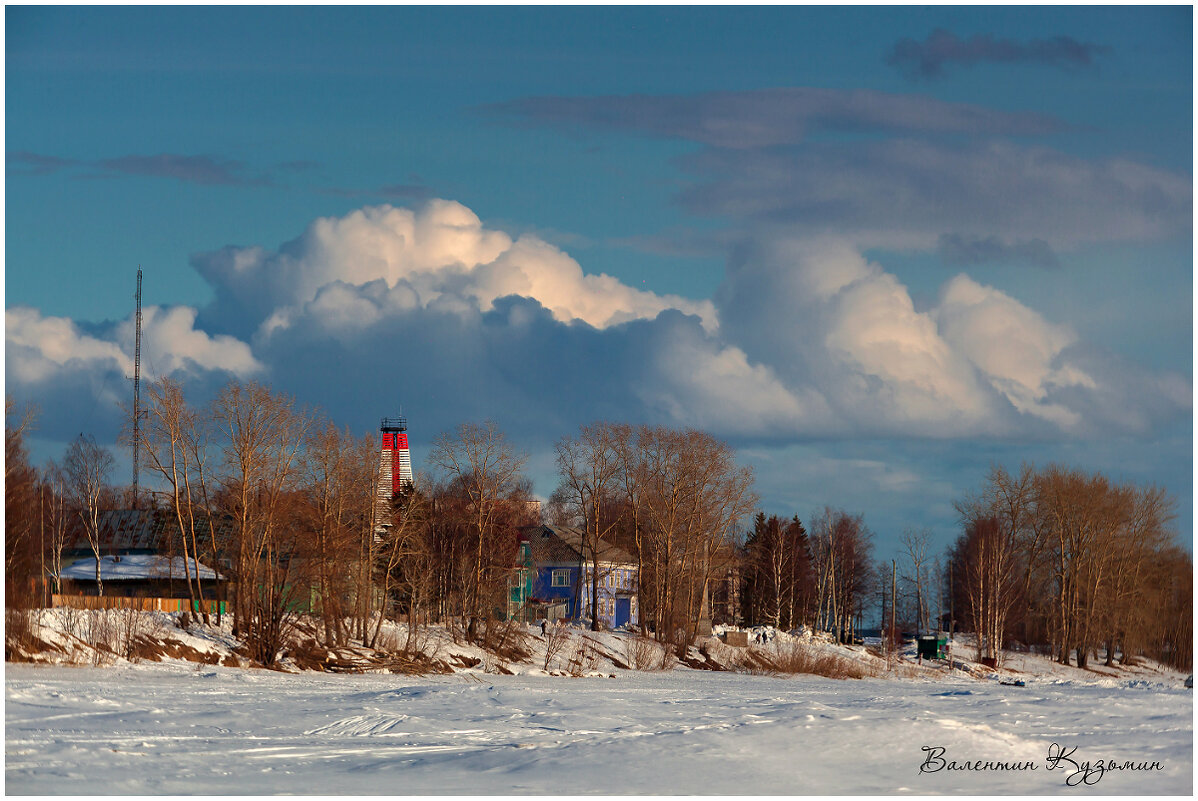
pixel 585 658
pixel 794 658
pixel 18 631
pixel 643 653
pixel 557 637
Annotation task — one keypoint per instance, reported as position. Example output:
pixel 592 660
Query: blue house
pixel 561 582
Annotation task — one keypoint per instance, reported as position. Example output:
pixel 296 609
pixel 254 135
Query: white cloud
pixel 1014 347
pixel 171 342
pixel 439 256
pixel 701 382
pixel 912 373
pixel 71 375
pixel 828 322
pixel 432 310
pixel 37 347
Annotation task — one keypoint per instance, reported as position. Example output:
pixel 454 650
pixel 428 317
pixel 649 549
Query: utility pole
pixel 893 579
pixel 41 535
pixel 137 391
pixel 952 619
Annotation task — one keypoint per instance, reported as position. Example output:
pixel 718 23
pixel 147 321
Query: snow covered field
pixel 174 728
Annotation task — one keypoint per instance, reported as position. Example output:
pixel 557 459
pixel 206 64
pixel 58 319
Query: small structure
pixel 142 554
pixel 138 575
pixel 931 646
pixel 739 639
pixel 561 577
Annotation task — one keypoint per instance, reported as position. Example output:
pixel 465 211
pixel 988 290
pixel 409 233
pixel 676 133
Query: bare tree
pixel 479 460
pixel 262 434
pixel 328 502
pixel 589 468
pixel 404 557
pixel 992 582
pixel 693 498
pixel 21 512
pixel 173 441
pixel 57 519
pixel 915 543
pixel 1068 559
pixel 87 467
pixel 841 546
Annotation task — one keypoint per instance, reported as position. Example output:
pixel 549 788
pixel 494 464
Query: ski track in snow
pixel 167 729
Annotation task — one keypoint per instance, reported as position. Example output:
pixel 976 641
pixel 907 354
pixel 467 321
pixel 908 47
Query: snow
pixel 135 566
pixel 177 727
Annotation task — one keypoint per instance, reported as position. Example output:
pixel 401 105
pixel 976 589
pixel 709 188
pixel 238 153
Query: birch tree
pixel 261 437
pixel 479 460
pixel 589 469
pixel 87 467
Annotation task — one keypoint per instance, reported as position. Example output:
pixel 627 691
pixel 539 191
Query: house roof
pixel 125 530
pixel 135 567
pixel 555 545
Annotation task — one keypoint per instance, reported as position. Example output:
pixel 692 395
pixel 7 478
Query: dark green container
pixel 931 646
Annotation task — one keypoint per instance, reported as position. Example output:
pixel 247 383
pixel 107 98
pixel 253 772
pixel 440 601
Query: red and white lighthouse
pixel 395 464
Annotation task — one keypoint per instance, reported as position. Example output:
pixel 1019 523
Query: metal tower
pixel 137 413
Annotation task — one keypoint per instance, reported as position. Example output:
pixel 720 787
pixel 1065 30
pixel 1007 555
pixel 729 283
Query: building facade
pixel 560 571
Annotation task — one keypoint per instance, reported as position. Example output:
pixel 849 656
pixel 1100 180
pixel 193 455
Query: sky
pixel 878 250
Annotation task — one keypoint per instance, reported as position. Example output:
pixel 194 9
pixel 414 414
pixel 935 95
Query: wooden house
pixel 561 569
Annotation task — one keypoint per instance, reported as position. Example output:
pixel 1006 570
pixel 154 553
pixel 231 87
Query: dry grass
pixel 585 658
pixel 795 658
pixel 557 637
pixel 507 640
pixel 18 631
pixel 643 653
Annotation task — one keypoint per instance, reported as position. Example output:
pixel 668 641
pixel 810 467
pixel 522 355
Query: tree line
pixel 1074 563
pixel 287 506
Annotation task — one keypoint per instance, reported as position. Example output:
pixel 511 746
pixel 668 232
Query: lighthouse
pixel 395 464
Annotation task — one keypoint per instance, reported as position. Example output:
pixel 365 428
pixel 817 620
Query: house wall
pixel 544 590
pixel 617 594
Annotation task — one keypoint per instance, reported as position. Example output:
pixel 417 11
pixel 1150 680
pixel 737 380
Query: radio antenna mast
pixel 137 390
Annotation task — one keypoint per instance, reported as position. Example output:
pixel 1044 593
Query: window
pixel 560 578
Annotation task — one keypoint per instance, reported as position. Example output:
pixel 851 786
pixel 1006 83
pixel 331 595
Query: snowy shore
pixel 174 728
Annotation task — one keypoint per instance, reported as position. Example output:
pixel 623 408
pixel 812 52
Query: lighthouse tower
pixel 395 464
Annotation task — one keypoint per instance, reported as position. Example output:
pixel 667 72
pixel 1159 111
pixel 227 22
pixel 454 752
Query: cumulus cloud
pixel 978 363
pixel 171 343
pixel 1013 347
pixel 774 116
pixel 832 323
pixel 440 255
pixel 698 381
pixel 66 372
pixel 38 347
pixel 431 310
pixel 907 193
pixel 927 59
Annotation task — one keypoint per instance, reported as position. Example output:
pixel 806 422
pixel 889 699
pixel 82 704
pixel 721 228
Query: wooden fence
pixel 144 604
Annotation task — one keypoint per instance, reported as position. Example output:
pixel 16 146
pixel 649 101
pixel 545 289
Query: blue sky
pixel 878 249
